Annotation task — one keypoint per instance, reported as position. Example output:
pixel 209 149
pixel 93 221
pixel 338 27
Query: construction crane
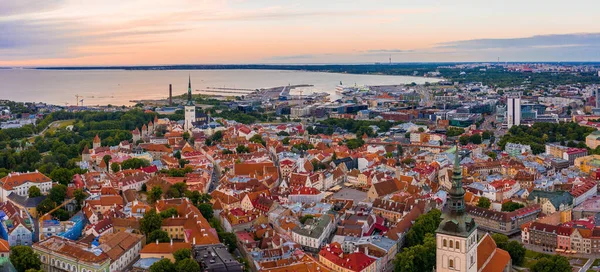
pixel 77 97
pixel 48 215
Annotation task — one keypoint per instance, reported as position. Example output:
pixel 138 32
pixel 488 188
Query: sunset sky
pixel 154 32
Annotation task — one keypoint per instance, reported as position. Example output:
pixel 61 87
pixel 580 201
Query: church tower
pixel 190 109
pixel 456 237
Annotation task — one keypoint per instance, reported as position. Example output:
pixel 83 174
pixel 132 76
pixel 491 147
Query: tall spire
pixel 454 218
pixel 190 102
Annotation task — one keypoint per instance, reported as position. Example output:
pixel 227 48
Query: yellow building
pixel 593 140
pixel 163 250
pixel 587 163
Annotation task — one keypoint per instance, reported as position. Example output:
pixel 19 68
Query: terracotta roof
pixel 489 257
pixel 4 246
pixel 153 248
pixel 17 179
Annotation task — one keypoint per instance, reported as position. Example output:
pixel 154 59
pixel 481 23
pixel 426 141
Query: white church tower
pixel 190 109
pixel 456 237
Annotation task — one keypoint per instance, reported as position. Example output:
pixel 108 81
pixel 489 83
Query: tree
pixel 500 239
pixel 155 194
pixel 177 154
pixel 554 263
pixel 115 167
pixel 516 251
pixel 305 218
pixel 484 202
pixel 150 222
pixel 158 235
pixel 134 163
pixel 79 196
pixel 425 223
pixel 257 138
pixel 182 254
pixel 34 191
pixel 58 193
pixel 170 212
pixel 24 258
pixel 45 206
pixel 454 131
pixel 206 210
pixel 162 265
pixel 399 151
pixel 419 257
pixel 106 159
pixel 62 175
pixel 492 155
pixel 187 265
pixel 186 135
pixel 183 162
pixel 61 214
pixel 511 206
pixel 475 138
pixel 355 143
pixel 486 135
pixel 464 139
pixel 286 141
pixel 242 149
pixel 229 239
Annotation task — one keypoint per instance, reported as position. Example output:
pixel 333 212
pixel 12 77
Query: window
pixel 457 245
pixel 451 263
pixel 451 244
pixel 445 245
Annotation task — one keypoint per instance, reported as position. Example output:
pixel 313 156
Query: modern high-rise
pixel 513 112
pixel 598 98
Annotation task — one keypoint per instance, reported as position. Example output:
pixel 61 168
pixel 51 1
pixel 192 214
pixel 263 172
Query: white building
pixel 19 183
pixel 513 113
pixel 313 235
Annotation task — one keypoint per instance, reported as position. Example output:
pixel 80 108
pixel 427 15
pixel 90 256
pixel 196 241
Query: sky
pixel 156 32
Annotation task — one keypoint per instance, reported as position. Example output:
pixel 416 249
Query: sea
pixel 121 87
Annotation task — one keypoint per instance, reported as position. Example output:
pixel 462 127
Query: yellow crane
pixel 47 215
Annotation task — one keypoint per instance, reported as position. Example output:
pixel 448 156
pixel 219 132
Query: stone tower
pixel 190 109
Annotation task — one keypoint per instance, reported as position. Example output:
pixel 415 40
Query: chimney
pixel 194 241
pixel 157 241
pixel 170 95
pixel 171 241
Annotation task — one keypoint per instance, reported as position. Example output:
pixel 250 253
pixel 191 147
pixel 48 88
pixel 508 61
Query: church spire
pixel 456 203
pixel 190 102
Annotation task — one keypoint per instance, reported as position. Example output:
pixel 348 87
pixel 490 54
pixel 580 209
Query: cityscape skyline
pixel 65 32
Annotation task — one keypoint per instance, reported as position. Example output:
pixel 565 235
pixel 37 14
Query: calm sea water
pixel 118 87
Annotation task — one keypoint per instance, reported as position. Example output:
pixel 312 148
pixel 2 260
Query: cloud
pixel 539 41
pixel 18 7
pixel 292 57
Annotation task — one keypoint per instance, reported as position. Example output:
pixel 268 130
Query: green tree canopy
pixel 187 265
pixel 182 254
pixel 158 235
pixel 554 263
pixel 150 222
pixel 511 206
pixel 45 206
pixel 24 258
pixel 62 175
pixel 134 163
pixel 425 223
pixel 155 194
pixel 58 193
pixel 500 239
pixel 484 202
pixel 163 265
pixel 206 209
pixel 34 191
pixel 419 257
pixel 516 251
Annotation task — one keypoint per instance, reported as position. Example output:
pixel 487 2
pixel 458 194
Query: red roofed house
pixel 333 257
pixel 305 195
pixel 19 184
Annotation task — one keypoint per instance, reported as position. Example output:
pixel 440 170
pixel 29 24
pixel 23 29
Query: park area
pixel 532 257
